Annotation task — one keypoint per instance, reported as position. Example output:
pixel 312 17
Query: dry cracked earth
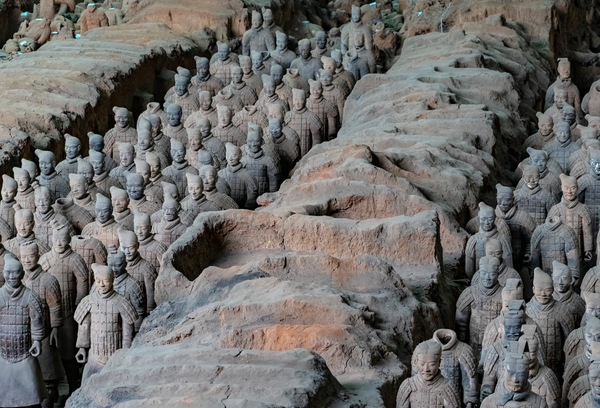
pixel 318 297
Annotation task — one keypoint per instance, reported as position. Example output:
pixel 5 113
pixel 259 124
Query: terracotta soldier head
pixel 154 163
pixel 280 41
pixel 254 140
pixel 129 243
pixel 61 237
pixel 543 286
pixel 116 261
pixel 236 74
pixel 31 168
pixel 429 354
pixel 591 331
pixel 568 114
pixel 505 198
pixel 72 146
pixel 564 68
pixel 560 97
pixel 326 77
pixel 224 115
pixel 545 123
pixel 257 19
pixel 46 160
pixel 304 49
pixel 170 209
pixel 233 154
pixel 513 290
pixel 195 186
pixel 593 121
pixel 205 100
pixel 170 190
pixel 336 55
pixel 539 158
pixel 96 142
pixel 277 73
pixel 174 114
pixel 202 67
pixel 205 129
pixel 30 255
pixel 144 141
pixel 24 222
pixel 277 111
pixel 516 375
pixel 126 153
pixel 103 209
pixel 135 186
pixel 208 174
pixel 223 50
pixel 514 319
pixel 119 199
pixel 184 72
pixel 321 40
pixel 22 178
pixel 177 151
pixel 43 202
pixel 569 187
pixel 142 227
pixel 531 346
pixel 594 162
pixel 143 169
pixel 257 59
pixel 562 277
pixel 78 185
pixel 204 157
pixel 592 303
pixel 487 217
pixel 298 99
pixel 267 16
pixel 316 89
pixel 85 170
pixel 269 86
pixel 329 63
pixel 97 162
pixel 356 14
pixel 121 117
pixel 245 64
pixel 275 127
pixel 104 278
pixel 531 176
pixel 13 271
pixel 156 124
pixel 9 188
pixel 488 271
pixel 181 85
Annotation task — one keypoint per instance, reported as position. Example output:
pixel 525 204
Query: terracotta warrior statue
pixel 592 398
pixel 24 224
pixel 531 198
pixel 8 192
pixel 543 136
pixel 259 64
pixel 249 77
pixel 355 26
pixel 428 388
pixel 145 145
pixel 563 81
pixel 49 177
pixel 161 141
pixel 226 132
pixel 91 251
pixel 562 146
pixel 287 150
pixel 294 80
pixel 564 294
pixel 126 156
pixel 281 88
pixel 239 88
pixel 25 196
pixel 551 317
pixel 339 82
pixel 282 54
pixel 326 110
pixel 196 202
pixel 549 171
pixel 153 108
pixel 210 181
pixel 184 75
pixel 96 143
pixel 554 241
pixel 306 124
pixel 101 178
pixel 257 38
pixel 72 152
pixel 170 227
pixel 493 247
pixel 153 190
pixel 260 165
pixel 340 71
pixel 137 200
pixel 81 198
pixel 268 21
pixel 307 66
pixel 331 92
pixel 204 80
pixel 177 171
pixel 106 323
pixel 244 187
pixel 44 215
pixel 85 169
pixel 269 96
pixel 220 66
pixel 92 17
pixel 122 132
pixel 150 249
pixel 575 343
pixel 22 332
pixel 105 227
pixel 206 111
pixel 249 114
pixel 182 97
pixel 560 99
pixel 72 274
pixel 479 305
pixel 579 162
pixel 175 130
pixel 120 204
pixel 589 190
pixel 47 288
pixel 126 286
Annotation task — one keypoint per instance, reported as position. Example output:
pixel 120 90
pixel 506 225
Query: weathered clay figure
pixel 428 388
pixel 211 180
pixel 549 170
pixel 105 226
pixel 478 305
pixel 569 115
pixel 356 65
pixel 576 215
pixel 264 169
pixel 269 22
pixel 220 67
pixel 126 156
pixel 101 178
pixel 170 227
pixel 249 77
pixel 226 131
pixel 182 97
pixel 80 196
pixel 137 200
pixel 589 190
pixel 176 171
pixel 575 343
pixel 551 317
pixel 72 151
pixel 269 97
pixel 543 136
pixel 214 146
pixel 278 112
pixel 106 323
pixel 8 192
pixel 226 97
pixel 153 190
pixel 244 187
pixel 294 80
pixel 206 111
pixel 306 65
pixel 514 390
pixel 96 143
pixel 150 249
pixel 122 132
pixel 259 66
pixel 560 99
pixel 476 244
pixel 24 224
pixel 561 147
pixel 249 114
pixel 126 286
pixel 281 88
pixel 257 38
pixel 169 190
pixel 355 26
pixel 120 204
pixel 238 87
pixel 49 177
pixel 72 274
pixel 304 122
pixel 339 82
pixel 563 81
pixel 286 149
pixel 145 145
pixel 196 202
pixel 331 92
pixel 493 247
pixel 92 17
pixel 364 53
pixel 326 110
pixel 564 294
pixel 175 130
pixel 153 108
pixel 282 54
pixel 341 72
pixel 86 169
pixel 531 198
pixel 25 196
pixel 591 399
pixel 91 251
pixel 554 241
pixel 44 215
pixel 579 162
pixel 22 331
pixel 204 80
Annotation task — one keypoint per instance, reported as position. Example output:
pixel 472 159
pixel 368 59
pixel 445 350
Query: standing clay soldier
pixel 575 343
pixel 226 97
pixel 531 198
pixel 331 92
pixel 226 131
pixel 196 202
pixel 514 390
pixel 137 200
pixel 47 288
pixel 563 81
pixel 9 192
pixel 549 171
pixel 49 177
pixel 126 157
pixel 589 190
pixel 44 215
pixel 175 130
pixel 120 204
pixel 25 196
pixel 269 96
pixel 277 111
pixel 161 143
pixel 96 143
pixel 101 178
pixel 592 398
pixel 24 224
pixel 293 79
pixel 579 162
pixel 210 179
pixel 321 48
pixel 203 80
pixel 249 114
pixel 91 251
pixel 282 54
pixel 153 190
pixel 269 23
pixel 338 82
pixel 211 144
pixel 22 332
pixel 356 65
pixel 105 227
pixel 153 108
pixel 340 71
pixel 306 65
pixel 92 17
pixel 206 111
pixel 324 109
pixel 493 247
pixel 261 166
pixel 170 227
pixel 563 292
pixel 478 305
pixel 182 97
pixel 221 66
pixel 72 274
pixel 80 196
pixel 304 122
pixel 150 249
pixel 239 88
pixel 543 136
pixel 363 53
pixel 140 269
pixel 281 88
pixel 554 241
pixel 257 38
pixel 249 77
pixel 576 215
pixel 428 388
pixel 561 147
pixel 560 99
pixel 106 323
pixel 176 171
pixel 476 244
pixel 286 149
pixel 126 286
pixel 355 26
pixel 553 320
pixel 72 150
pixel 244 187
pixel 145 145
pixel 122 132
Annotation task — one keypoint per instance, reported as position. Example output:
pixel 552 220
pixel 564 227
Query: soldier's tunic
pixel 26 199
pixel 537 141
pixel 545 384
pixel 79 216
pixel 91 250
pixel 554 241
pixel 143 206
pixel 307 125
pixel 244 92
pixel 168 232
pixel 577 216
pixel 308 68
pixel 111 148
pixel 288 152
pixel 188 102
pixel 589 400
pixel 589 194
pixel 327 113
pixel 56 184
pixel 257 39
pixel 575 344
pixel 521 228
pixel 133 291
pixel 118 173
pixel 504 273
pixel 244 187
pixel 7 213
pixel 152 250
pixel 209 83
pixel 43 229
pixel 502 398
pixel 223 201
pixel 335 96
pixel 561 151
pixel 86 203
pixel 537 202
pixel 264 101
pixel 195 207
pixel 209 114
pixel 231 134
pixel 105 232
pixel 154 190
pixel 216 148
pixel 66 167
pixel 145 273
pixel 177 173
pixel 415 392
pixel 264 170
pixel 229 99
pixel 14 244
pixel 284 58
pixel 476 249
pixel 124 219
pixel 105 182
pixel 577 367
pixel 178 133
pixel 222 69
pixel 572 303
pixel 249 114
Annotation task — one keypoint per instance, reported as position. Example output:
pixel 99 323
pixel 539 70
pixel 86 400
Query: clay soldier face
pixel 42 201
pixel 321 40
pixel 543 293
pixel 170 208
pixel 154 168
pixel 281 44
pixel 236 74
pixel 487 221
pixel 531 180
pixel 428 366
pixel 257 60
pixel 355 14
pixel 516 376
pixel 13 274
pixel 326 77
pixel 275 127
pixel 98 165
pixel 592 305
pixel 564 70
pixel 145 173
pixel 316 89
pixel 569 190
pixel 277 74
pixel 246 65
pixel 97 144
pixel 194 141
pixel 47 165
pixel 205 128
pixel 130 248
pixel 126 155
pixel 562 280
pixel 156 124
pixel 61 240
pixel 135 187
pixel 267 18
pixel 223 52
pixel 269 88
pixel 257 20
pixel 512 328
pixel 560 97
pixel 144 141
pixel 117 263
pixel 202 68
pixel 174 115
pixel 233 157
pixel 119 203
pixel 8 192
pixel 209 178
pixel 22 180
pixel 29 256
pixel 195 190
pixel 142 227
pixel 540 161
pixel 594 376
pixel 224 116
pixel 254 142
pixel 181 87
pixel 591 333
pixel 121 118
pixel 205 100
pixel 72 149
pixel 178 155
pixel 299 102
pixel 488 275
pixel 505 202
pixel 595 166
pixel 304 50
pixel 103 212
pixel 24 224
pixel 104 282
pixel 532 352
pixel 545 125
